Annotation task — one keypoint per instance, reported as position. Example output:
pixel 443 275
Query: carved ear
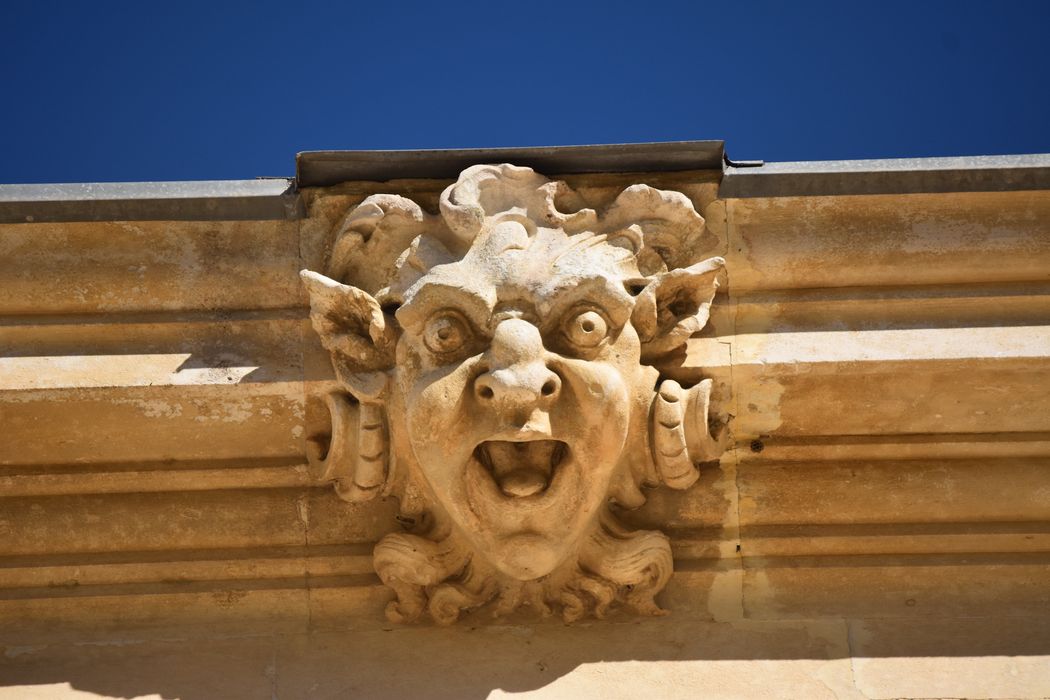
pixel 673 306
pixel 354 329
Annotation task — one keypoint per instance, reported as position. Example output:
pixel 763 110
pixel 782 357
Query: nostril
pixel 549 387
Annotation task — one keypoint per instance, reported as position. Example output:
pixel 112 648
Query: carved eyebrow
pixel 441 295
pixel 608 294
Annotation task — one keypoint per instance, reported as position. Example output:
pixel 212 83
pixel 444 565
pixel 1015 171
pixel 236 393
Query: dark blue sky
pixel 108 91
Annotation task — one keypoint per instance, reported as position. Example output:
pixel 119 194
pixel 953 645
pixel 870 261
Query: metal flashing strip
pixel 891 176
pixel 279 199
pixel 326 168
pixel 205 200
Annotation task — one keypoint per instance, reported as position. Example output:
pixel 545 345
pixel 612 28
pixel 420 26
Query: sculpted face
pixel 521 379
pixel 500 365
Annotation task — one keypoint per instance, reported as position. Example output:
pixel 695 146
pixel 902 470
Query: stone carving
pixel 500 366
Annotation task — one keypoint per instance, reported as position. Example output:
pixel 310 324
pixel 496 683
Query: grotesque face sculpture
pixel 500 366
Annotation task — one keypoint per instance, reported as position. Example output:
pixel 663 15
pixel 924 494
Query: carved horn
pixel 680 434
pixel 355 456
pixel 394 215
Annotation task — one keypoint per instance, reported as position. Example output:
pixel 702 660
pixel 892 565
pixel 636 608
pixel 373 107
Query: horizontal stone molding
pixel 887 241
pixel 159 477
pixel 881 360
pixel 148 266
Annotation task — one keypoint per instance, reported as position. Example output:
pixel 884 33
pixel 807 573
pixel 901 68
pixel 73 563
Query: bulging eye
pixel 445 332
pixel 586 328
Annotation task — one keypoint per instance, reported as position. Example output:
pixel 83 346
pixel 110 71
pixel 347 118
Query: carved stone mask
pixel 500 373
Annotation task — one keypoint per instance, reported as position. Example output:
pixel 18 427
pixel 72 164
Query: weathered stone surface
pixel 614 660
pixel 888 240
pixel 1005 657
pixel 881 361
pixel 148 266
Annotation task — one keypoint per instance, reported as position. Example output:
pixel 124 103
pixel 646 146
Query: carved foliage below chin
pixel 500 370
pixel 444 579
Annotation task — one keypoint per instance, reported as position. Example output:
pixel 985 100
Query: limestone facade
pixel 185 514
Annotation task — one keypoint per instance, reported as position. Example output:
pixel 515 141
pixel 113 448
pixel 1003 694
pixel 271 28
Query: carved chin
pixel 525 498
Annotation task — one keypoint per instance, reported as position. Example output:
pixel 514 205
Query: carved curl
pixel 485 191
pixel 616 566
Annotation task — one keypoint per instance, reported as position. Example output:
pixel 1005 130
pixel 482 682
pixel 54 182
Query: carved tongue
pixel 521 468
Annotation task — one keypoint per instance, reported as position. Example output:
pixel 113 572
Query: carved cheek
pixel 439 409
pixel 597 407
pixel 605 385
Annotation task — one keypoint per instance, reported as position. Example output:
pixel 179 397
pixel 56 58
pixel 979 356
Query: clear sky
pixel 128 91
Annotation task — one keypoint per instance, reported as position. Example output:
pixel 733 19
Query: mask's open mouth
pixel 522 469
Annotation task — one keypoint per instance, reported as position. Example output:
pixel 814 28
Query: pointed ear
pixel 354 329
pixel 673 306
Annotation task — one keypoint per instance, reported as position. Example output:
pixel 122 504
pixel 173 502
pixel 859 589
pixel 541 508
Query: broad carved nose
pixel 518 374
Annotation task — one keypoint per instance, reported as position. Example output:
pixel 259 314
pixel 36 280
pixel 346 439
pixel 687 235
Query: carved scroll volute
pixel 354 457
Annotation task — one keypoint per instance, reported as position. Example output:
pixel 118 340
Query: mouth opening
pixel 522 469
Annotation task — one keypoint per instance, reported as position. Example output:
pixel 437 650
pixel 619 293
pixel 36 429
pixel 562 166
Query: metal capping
pixel 889 176
pixel 279 198
pixel 204 200
pixel 325 168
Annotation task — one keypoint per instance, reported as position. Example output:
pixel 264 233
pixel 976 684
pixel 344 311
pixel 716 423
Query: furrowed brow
pixel 433 296
pixel 609 294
